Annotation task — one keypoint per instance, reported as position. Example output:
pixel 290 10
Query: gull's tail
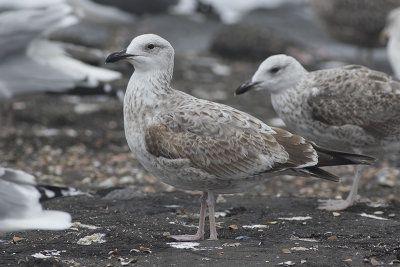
pixel 327 157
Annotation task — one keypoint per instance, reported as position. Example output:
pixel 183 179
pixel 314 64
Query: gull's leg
pixel 351 199
pixel 200 232
pixel 211 216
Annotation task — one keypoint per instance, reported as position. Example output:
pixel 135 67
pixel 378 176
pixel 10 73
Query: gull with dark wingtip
pixel 195 144
pixel 351 107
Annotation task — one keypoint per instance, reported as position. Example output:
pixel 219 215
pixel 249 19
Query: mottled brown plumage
pixel 351 107
pixel 195 144
pixel 362 97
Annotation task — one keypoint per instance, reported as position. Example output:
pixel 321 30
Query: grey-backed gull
pixel 19 204
pixel 195 144
pixel 350 107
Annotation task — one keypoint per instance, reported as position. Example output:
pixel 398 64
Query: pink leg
pixel 200 232
pixel 352 198
pixel 211 215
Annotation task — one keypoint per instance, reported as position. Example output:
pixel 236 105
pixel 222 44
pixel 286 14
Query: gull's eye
pixel 274 70
pixel 150 46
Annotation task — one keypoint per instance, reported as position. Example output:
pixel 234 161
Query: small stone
pixel 394 262
pixel 374 262
pixel 112 252
pixel 233 226
pixel 303 261
pixel 379 212
pixel 299 249
pixel 144 249
pixel 333 237
pixel 348 260
pixel 335 213
pixel 286 251
pixel 231 244
pixel 16 239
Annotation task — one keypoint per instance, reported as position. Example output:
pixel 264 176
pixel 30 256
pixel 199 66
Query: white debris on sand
pixel 296 218
pixel 95 238
pixel 255 226
pixel 87 226
pixel 45 254
pixel 191 245
pixel 373 216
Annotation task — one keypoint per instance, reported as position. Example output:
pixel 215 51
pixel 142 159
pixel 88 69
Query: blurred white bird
pixel 84 9
pixel 32 63
pixel 230 11
pixel 392 34
pixel 19 204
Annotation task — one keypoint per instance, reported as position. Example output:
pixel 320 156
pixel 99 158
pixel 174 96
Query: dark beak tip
pixel 116 56
pixel 242 89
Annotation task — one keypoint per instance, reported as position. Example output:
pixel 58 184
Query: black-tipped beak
pixel 116 56
pixel 246 86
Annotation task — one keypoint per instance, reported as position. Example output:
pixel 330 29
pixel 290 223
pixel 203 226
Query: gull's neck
pixel 147 87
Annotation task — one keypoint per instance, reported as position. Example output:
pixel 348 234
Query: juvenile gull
pixel 195 144
pixel 392 33
pixel 19 204
pixel 351 107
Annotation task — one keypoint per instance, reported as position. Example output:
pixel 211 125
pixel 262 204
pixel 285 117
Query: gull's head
pixel 147 52
pixel 275 74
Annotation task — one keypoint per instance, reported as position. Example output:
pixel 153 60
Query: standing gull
pixel 19 204
pixel 348 107
pixel 195 144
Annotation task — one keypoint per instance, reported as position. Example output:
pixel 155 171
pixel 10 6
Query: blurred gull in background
pixel 355 22
pixel 31 62
pixel 392 34
pixel 84 9
pixel 230 11
pixel 19 204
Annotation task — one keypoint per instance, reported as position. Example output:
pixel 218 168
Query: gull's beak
pixel 117 56
pixel 384 36
pixel 246 86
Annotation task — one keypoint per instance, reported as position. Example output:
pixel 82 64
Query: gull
pixel 230 11
pixel 350 107
pixel 195 144
pixel 84 9
pixel 391 32
pixel 354 22
pixel 32 63
pixel 19 204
